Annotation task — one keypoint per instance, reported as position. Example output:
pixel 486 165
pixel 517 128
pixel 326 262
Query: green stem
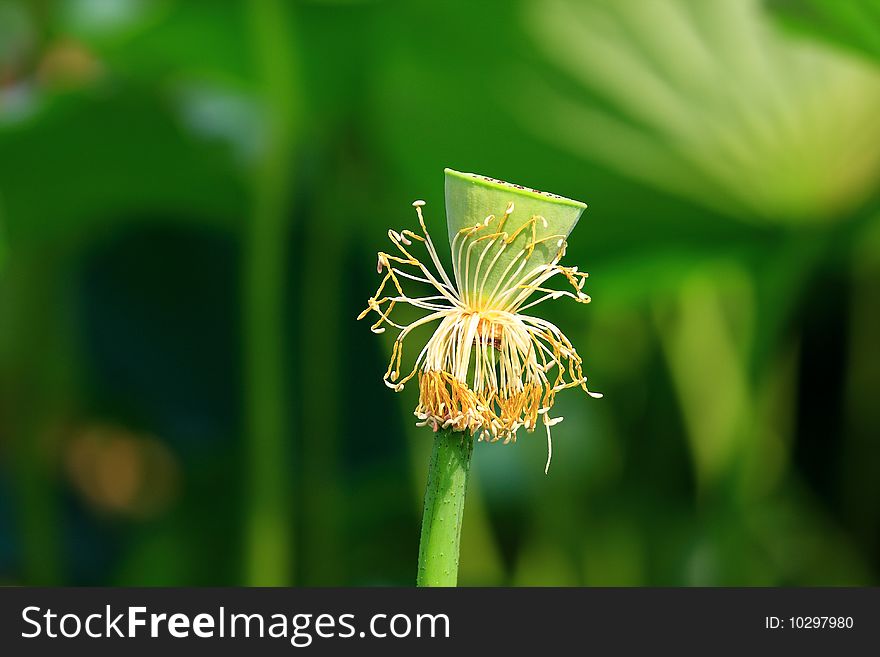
pixel 444 507
pixel 322 504
pixel 269 539
pixel 39 381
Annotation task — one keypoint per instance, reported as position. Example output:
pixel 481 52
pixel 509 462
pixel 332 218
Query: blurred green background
pixel 191 198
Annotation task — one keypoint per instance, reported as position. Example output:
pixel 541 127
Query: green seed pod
pixel 536 225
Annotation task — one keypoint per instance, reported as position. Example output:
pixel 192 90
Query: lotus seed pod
pixel 539 219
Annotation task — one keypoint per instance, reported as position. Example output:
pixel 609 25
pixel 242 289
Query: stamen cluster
pixel 488 369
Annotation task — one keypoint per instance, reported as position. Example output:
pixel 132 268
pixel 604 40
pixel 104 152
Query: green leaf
pixel 703 100
pixel 164 40
pixel 84 162
pixel 852 24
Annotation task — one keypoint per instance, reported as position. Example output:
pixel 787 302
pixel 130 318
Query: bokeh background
pixel 191 198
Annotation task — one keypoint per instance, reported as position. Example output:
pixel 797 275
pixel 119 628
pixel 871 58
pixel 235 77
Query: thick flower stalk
pixel 489 369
